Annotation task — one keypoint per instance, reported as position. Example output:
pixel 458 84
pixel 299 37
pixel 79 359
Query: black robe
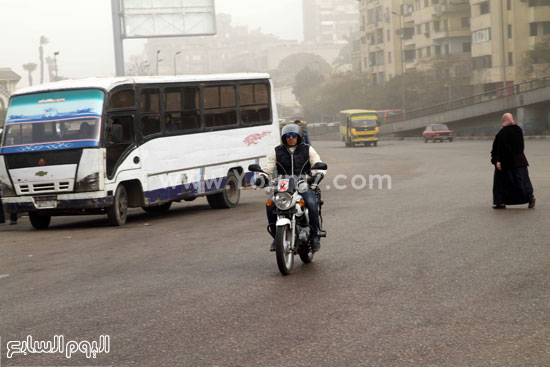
pixel 511 185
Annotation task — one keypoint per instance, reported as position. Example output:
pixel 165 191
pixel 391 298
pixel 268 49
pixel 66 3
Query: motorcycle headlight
pixel 283 200
pixel 88 183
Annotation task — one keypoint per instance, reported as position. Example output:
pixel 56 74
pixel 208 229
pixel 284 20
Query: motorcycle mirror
pixel 319 165
pixel 255 168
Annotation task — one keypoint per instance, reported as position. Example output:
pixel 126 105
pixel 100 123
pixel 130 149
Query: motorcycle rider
pixel 294 157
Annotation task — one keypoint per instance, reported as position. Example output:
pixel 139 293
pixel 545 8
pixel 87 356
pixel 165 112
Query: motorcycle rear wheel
pixel 283 252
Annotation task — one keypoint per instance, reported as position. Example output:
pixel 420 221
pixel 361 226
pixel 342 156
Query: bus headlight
pixel 6 189
pixel 88 183
pixel 283 200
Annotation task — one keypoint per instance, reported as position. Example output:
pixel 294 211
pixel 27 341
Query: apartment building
pixel 329 21
pixel 502 32
pixel 397 35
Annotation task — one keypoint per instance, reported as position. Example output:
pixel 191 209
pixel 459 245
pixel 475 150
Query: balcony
pixel 451 7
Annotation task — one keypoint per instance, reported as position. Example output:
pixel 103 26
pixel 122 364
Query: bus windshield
pixel 52 121
pixel 364 120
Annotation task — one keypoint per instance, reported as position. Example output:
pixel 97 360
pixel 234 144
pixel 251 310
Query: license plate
pixel 45 202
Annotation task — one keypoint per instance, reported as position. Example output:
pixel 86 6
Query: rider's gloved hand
pixel 315 179
pixel 261 181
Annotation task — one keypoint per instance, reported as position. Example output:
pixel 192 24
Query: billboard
pixel 168 18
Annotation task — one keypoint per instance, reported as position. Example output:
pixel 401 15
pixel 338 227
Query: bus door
pixel 121 142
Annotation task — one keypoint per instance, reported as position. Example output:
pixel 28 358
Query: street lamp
pixel 55 63
pixel 175 69
pixel 402 37
pixel 158 60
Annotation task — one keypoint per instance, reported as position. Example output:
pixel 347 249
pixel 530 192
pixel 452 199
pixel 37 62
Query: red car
pixel 439 132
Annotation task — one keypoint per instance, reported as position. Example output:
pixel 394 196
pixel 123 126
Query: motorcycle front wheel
pixel 306 255
pixel 283 250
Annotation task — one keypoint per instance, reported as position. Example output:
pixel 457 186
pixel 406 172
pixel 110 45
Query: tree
pixel 30 68
pixel 138 66
pixel 306 80
pixel 537 60
pixel 291 65
pixel 43 41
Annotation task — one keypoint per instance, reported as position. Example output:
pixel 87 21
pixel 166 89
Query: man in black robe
pixel 511 185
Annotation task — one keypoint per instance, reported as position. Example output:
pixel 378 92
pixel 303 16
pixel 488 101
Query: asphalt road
pixel 422 274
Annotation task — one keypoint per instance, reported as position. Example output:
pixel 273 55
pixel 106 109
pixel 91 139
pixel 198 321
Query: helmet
pixel 291 128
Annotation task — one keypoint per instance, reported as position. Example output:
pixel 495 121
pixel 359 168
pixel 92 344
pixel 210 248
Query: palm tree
pixel 30 67
pixel 43 41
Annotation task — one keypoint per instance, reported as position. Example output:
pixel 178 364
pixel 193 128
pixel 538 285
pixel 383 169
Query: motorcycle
pixel 292 226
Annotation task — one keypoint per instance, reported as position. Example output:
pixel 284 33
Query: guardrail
pixel 473 100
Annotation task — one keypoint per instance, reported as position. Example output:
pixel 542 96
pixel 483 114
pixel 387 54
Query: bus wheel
pixel 157 208
pixel 229 197
pixel 39 221
pixel 375 143
pixel 118 213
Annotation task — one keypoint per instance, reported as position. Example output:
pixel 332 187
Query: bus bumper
pixel 76 203
pixel 363 138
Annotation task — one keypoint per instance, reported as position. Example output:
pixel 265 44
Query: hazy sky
pixel 81 30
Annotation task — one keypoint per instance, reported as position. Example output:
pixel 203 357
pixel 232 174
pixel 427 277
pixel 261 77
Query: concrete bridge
pixel 529 102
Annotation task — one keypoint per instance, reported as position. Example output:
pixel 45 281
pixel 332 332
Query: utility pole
pixel 502 33
pixel 158 60
pixel 448 29
pixel 175 69
pixel 117 37
pixel 402 37
pixel 55 63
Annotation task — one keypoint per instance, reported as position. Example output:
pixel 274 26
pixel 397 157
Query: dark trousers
pixel 313 210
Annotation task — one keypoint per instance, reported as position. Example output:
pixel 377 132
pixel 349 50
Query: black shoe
pixel 532 203
pixel 315 244
pixel 273 247
pixel 12 222
pixel 499 206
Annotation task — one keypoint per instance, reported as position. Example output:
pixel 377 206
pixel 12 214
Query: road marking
pixel 4 276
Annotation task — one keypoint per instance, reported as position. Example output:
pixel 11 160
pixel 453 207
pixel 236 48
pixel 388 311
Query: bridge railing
pixel 472 100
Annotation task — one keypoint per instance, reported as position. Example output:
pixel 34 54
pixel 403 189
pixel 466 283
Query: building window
pixel 389 57
pixel 533 31
pixel 483 35
pixel 438 50
pixel 467 47
pixel 545 27
pixel 445 25
pixel 418 29
pixel 482 62
pixel 465 22
pixel 484 8
pixel 380 35
pixel 388 33
pixel 539 2
pixel 428 51
pixel 508 4
pixel 426 3
pixel 372 59
pixel 370 16
pixel 419 53
pixel 510 58
pixel 427 27
pixel 436 25
pixel 509 31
